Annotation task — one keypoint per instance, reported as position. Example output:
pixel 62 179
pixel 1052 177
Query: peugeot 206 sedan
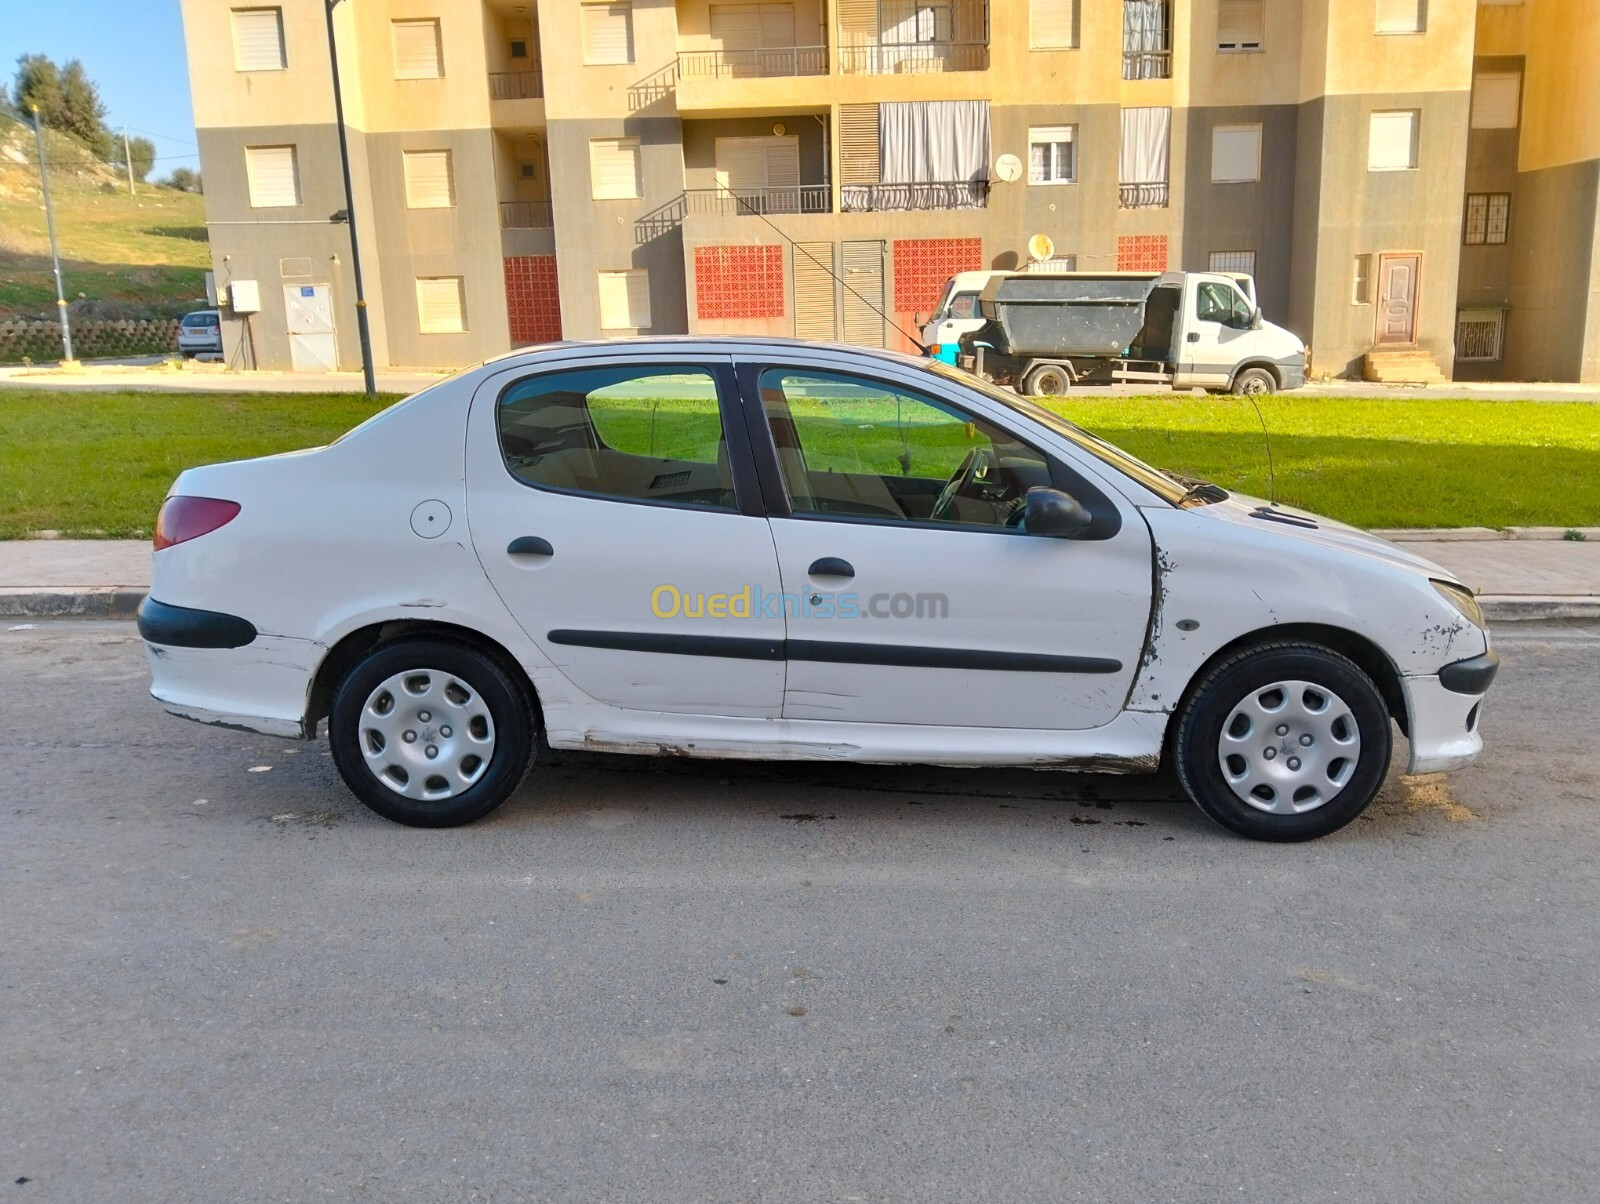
pixel 780 550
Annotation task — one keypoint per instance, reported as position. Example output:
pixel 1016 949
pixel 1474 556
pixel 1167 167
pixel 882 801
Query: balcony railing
pixel 768 62
pixel 884 198
pixel 912 58
pixel 1147 64
pixel 525 215
pixel 803 198
pixel 515 85
pixel 1142 196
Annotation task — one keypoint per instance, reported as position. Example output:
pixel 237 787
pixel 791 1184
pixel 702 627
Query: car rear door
pixel 613 505
pixel 900 616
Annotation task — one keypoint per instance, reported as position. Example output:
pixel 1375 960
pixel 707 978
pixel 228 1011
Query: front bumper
pixel 1444 722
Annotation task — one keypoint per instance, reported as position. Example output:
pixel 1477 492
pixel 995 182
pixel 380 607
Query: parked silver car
pixel 200 333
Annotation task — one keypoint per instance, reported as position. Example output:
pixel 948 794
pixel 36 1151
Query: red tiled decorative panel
pixel 1142 253
pixel 533 300
pixel 923 266
pixel 738 282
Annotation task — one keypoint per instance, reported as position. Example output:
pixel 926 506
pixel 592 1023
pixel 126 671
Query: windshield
pixel 942 310
pixel 1160 483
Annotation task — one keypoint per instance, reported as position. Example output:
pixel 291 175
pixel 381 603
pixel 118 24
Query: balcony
pixel 1146 39
pixel 913 58
pixel 1142 196
pixel 892 198
pixel 767 63
pixel 516 85
pixel 516 100
pixel 525 215
pixel 721 202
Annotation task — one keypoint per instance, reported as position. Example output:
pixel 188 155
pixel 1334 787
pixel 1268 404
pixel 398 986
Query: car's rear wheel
pixel 1283 742
pixel 431 733
pixel 1046 381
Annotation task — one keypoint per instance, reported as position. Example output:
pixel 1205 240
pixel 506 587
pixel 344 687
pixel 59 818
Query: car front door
pixel 915 595
pixel 622 527
pixel 1217 333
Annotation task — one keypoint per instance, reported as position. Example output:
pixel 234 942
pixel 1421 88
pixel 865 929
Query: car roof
pixel 739 346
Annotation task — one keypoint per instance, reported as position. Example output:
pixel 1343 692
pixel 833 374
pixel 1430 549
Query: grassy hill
pixel 146 255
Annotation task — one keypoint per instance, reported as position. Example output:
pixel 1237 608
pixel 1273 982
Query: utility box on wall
pixel 244 297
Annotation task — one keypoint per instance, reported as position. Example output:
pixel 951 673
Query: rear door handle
pixel 831 566
pixel 529 545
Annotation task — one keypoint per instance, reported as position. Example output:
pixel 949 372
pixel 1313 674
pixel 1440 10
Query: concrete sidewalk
pixel 1530 575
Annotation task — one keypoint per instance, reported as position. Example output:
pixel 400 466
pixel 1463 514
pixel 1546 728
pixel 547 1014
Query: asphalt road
pixel 685 981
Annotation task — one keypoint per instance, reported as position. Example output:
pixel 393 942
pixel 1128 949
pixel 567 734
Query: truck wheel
pixel 1255 380
pixel 1283 742
pixel 1046 381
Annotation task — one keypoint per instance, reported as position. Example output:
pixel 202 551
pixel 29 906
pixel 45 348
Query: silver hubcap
pixel 426 734
pixel 1255 384
pixel 1289 747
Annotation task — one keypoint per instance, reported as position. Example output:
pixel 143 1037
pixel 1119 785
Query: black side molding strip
pixel 1470 676
pixel 183 627
pixel 827 652
pixel 681 645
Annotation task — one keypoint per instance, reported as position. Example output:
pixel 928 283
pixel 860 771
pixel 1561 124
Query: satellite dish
pixel 1040 248
pixel 1008 168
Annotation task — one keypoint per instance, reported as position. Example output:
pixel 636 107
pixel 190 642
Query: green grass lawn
pixel 99 463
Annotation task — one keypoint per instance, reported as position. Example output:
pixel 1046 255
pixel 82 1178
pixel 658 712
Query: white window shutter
pixel 777 25
pixel 416 50
pixel 1235 154
pixel 1052 24
pixel 273 176
pixel 258 39
pixel 735 26
pixel 1392 140
pixel 1402 16
pixel 614 168
pixel 429 180
pixel 441 305
pixel 741 165
pixel 1239 25
pixel 1495 99
pixel 607 33
pixel 625 300
pixel 860 161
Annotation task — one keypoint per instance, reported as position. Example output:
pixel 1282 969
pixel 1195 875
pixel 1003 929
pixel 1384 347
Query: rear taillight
pixel 184 518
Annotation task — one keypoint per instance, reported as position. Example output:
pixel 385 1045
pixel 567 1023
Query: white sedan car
pixel 779 550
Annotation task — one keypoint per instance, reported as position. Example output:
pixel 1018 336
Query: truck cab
pixel 1218 337
pixel 956 314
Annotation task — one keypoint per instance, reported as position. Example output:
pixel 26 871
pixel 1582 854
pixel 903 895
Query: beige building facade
pixel 1397 174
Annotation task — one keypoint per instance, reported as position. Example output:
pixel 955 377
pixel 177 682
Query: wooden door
pixel 1398 279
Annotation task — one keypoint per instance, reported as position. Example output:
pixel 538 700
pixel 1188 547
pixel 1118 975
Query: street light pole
pixel 362 326
pixel 50 223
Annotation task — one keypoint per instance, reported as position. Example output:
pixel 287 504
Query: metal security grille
pixel 1480 334
pixel 1234 261
pixel 1488 218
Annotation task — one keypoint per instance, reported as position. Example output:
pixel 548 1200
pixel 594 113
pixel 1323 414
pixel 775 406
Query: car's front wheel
pixel 431 733
pixel 1283 742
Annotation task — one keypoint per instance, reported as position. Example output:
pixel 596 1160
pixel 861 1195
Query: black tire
pixel 510 710
pixel 1198 731
pixel 1255 380
pixel 1046 381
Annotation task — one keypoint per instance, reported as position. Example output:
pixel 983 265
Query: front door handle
pixel 831 566
pixel 529 545
pixel 1194 336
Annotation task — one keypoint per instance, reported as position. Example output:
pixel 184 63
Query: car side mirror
pixel 919 320
pixel 1055 514
pixel 1255 320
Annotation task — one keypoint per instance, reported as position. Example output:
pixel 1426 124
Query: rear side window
pixel 636 434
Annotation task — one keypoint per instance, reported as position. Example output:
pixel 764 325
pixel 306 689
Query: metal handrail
pixel 1152 195
pixel 803 198
pixel 943 194
pixel 516 85
pixel 910 58
pixel 1147 64
pixel 767 62
pixel 526 215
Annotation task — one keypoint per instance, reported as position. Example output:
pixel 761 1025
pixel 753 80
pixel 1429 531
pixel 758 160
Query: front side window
pixel 853 448
pixel 964 305
pixel 1222 303
pixel 636 434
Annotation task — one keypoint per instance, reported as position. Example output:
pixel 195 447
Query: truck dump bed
pixel 1057 317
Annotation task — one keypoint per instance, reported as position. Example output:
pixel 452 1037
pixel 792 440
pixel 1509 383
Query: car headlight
pixel 1461 598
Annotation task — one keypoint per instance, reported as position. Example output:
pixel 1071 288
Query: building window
pixel 1392 140
pixel 1234 261
pixel 1240 25
pixel 273 173
pixel 625 300
pixel 527 169
pixel 1142 166
pixel 1402 16
pixel 1495 99
pixel 519 48
pixel 1053 24
pixel 1480 334
pixel 614 169
pixel 1488 218
pixel 416 50
pixel 1146 39
pixel 1052 154
pixel 1361 285
pixel 258 40
pixel 607 33
pixel 1235 154
pixel 441 305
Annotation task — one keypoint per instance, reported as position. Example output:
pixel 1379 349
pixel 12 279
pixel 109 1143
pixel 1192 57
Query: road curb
pixel 1535 608
pixel 94 602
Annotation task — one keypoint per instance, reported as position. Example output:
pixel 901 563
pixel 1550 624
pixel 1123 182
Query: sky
pixel 132 50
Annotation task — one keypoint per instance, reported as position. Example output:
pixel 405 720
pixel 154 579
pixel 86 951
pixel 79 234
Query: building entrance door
pixel 312 345
pixel 1398 277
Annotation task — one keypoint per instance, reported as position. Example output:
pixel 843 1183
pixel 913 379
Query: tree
pixel 66 99
pixel 38 87
pixel 184 179
pixel 143 152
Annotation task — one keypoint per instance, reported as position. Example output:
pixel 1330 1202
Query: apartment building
pixel 1396 173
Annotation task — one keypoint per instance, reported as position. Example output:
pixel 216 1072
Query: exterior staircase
pixel 1401 365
